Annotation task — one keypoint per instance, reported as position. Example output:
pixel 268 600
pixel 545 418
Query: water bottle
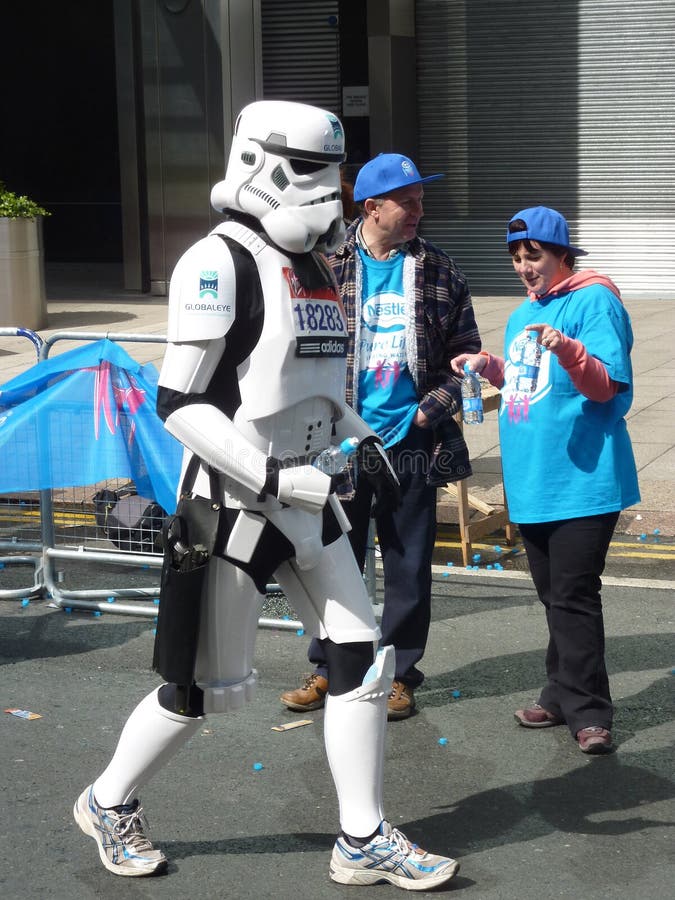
pixel 333 459
pixel 528 370
pixel 472 400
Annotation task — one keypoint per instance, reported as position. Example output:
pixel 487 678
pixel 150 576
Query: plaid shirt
pixel 444 327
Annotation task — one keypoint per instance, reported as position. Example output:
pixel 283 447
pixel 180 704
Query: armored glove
pixel 301 486
pixel 374 465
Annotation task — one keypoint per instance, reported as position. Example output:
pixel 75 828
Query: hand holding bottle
pixel 475 361
pixel 472 397
pixel 549 338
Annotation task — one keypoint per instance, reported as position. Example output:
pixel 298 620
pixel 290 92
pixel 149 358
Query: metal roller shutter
pixel 300 49
pixel 568 105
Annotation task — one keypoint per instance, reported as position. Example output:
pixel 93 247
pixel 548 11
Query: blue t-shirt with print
pixel 387 398
pixel 565 456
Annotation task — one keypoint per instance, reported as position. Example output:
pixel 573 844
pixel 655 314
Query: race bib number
pixel 319 320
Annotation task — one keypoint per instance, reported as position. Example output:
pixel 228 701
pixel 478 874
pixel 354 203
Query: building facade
pixel 564 104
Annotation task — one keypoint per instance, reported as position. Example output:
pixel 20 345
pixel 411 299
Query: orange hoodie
pixel 578 280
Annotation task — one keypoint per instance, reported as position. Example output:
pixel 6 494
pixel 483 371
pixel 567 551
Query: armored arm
pixel 198 393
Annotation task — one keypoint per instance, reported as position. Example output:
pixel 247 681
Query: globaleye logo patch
pixel 407 168
pixel 208 285
pixel 337 128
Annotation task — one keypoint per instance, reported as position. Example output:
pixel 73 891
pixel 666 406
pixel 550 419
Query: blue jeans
pixel 406 539
pixel 566 560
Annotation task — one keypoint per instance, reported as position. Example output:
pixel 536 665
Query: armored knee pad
pixel 347 664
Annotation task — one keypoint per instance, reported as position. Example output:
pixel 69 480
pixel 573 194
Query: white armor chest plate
pixel 292 385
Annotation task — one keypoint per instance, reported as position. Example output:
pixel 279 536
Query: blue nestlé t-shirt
pixel 565 456
pixel 387 398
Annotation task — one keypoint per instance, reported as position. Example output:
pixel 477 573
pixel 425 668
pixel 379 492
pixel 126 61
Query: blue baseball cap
pixel 385 173
pixel 543 224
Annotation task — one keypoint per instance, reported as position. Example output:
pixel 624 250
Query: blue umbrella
pixel 82 417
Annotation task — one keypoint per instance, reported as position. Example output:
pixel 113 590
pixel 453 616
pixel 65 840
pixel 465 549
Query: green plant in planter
pixel 14 206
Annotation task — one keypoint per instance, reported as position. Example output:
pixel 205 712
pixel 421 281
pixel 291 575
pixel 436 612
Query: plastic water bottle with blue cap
pixel 333 459
pixel 472 399
pixel 528 370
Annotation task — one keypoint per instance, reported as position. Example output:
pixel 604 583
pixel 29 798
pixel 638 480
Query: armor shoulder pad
pixel 202 292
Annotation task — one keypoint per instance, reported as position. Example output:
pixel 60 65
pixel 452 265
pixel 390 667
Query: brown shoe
pixel 595 739
pixel 536 716
pixel 312 695
pixel 401 701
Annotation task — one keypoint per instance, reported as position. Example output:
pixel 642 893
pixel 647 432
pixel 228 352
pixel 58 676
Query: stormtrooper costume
pixel 253 385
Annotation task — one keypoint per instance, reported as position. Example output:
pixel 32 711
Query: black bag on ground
pixel 188 538
pixel 131 522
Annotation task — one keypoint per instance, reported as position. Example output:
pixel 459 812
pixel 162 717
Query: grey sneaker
pixel 122 844
pixel 392 858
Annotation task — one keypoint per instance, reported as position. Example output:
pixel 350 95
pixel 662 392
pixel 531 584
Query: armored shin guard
pixel 150 737
pixel 354 732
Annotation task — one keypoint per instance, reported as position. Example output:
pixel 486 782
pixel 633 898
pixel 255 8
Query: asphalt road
pixel 527 814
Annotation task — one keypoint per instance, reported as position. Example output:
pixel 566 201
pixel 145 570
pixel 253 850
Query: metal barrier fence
pixel 73 546
pixel 17 513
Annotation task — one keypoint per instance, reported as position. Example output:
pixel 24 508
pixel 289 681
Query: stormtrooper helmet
pixel 284 169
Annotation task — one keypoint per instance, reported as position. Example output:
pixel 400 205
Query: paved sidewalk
pixel 527 814
pixel 90 301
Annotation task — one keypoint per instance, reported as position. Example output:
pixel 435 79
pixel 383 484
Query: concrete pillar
pixel 392 77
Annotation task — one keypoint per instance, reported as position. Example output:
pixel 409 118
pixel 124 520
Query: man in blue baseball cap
pixel 386 173
pixel 409 311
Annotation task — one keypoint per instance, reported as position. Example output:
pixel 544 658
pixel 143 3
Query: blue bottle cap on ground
pixel 456 693
pixel 257 767
pixel 442 741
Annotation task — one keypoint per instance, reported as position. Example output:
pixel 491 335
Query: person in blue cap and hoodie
pixel 409 312
pixel 567 459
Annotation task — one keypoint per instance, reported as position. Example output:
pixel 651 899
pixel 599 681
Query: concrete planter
pixel 23 301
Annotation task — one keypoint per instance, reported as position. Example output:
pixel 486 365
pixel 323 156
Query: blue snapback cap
pixel 543 224
pixel 387 172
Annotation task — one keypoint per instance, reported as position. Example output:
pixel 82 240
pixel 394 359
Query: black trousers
pixel 406 539
pixel 566 560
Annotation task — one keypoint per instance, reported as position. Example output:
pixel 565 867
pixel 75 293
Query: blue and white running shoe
pixel 122 844
pixel 392 858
